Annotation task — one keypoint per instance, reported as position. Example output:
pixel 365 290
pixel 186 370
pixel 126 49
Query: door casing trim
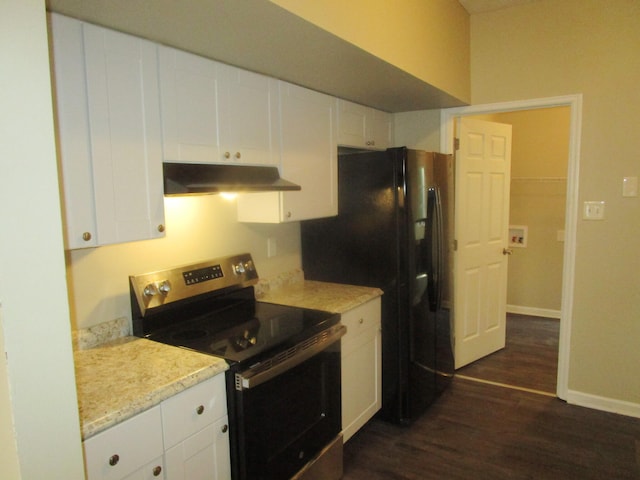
pixel 574 102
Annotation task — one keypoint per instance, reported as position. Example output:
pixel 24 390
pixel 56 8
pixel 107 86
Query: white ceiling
pixel 482 6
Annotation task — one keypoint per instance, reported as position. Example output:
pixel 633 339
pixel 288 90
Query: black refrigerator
pixel 394 231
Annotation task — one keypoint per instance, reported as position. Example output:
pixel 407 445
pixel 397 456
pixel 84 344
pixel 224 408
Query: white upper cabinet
pixel 216 113
pixel 363 127
pixel 189 92
pixel 308 158
pixel 248 115
pixel 108 119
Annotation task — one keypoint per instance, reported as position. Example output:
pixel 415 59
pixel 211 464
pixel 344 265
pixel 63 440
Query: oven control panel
pixel 151 290
pixel 202 274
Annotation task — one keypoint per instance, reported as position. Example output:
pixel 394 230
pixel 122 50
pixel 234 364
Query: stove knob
pixel 150 290
pixel 249 266
pixel 165 287
pixel 239 268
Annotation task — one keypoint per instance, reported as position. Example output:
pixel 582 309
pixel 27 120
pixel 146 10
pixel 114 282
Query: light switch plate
pixel 593 210
pixel 271 247
pixel 630 187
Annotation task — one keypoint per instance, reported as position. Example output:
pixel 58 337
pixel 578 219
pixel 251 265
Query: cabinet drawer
pixel 361 319
pixel 124 448
pixel 190 411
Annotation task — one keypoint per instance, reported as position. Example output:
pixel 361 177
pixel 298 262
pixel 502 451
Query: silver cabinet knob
pixel 114 459
pixel 161 228
pixel 86 236
pixel 224 428
pixel 200 410
pixel 227 155
pixel 237 155
pixel 157 471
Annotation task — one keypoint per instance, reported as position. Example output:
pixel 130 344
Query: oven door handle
pixel 280 364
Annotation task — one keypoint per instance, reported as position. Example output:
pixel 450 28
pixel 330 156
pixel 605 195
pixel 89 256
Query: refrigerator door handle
pixel 436 246
pixel 440 246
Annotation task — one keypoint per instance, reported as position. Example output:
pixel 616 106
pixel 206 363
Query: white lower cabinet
pixel 196 433
pixel 361 352
pixel 185 437
pixel 123 451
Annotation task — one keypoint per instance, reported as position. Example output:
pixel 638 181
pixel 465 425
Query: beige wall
pixel 419 130
pixel 426 38
pixel 198 228
pixel 548 48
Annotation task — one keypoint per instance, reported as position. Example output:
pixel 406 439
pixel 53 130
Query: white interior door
pixel 483 170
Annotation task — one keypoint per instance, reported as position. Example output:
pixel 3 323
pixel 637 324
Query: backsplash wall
pixel 197 228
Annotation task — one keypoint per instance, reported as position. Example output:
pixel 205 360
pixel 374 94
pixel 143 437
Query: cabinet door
pixel 248 117
pixel 125 448
pixel 124 119
pixel 352 124
pixel 309 153
pixel 189 100
pixel 202 456
pixel 361 356
pixel 193 409
pixel 70 94
pixel 363 127
pixel 309 158
pixel 379 129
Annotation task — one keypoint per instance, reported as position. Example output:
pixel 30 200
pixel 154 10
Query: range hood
pixel 200 179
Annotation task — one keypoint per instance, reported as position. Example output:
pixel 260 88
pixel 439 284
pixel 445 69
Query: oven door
pixel 284 416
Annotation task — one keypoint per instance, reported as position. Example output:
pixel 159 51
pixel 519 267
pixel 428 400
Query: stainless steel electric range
pixel 283 382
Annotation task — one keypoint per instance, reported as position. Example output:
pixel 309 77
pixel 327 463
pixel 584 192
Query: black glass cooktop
pixel 246 330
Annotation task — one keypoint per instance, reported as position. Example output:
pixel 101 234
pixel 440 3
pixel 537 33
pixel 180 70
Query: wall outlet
pixel 593 210
pixel 630 187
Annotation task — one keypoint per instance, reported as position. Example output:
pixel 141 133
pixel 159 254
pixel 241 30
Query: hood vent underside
pixel 200 179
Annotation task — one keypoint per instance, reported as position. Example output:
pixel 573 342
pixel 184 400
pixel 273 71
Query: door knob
pixel 507 251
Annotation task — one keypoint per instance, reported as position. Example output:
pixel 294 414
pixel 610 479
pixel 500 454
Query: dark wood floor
pixel 483 431
pixel 529 359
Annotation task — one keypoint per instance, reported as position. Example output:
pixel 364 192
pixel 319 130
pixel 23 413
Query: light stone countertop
pixel 332 297
pixel 119 376
pixel 124 377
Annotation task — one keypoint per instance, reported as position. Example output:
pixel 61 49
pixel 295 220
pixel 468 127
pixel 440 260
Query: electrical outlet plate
pixel 593 210
pixel 630 187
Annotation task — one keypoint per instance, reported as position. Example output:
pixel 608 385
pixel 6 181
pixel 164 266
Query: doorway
pixel 574 102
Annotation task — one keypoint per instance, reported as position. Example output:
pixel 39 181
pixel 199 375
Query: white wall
pixel 37 395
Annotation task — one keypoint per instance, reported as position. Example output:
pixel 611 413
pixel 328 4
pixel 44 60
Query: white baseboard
pixel 603 403
pixel 536 312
